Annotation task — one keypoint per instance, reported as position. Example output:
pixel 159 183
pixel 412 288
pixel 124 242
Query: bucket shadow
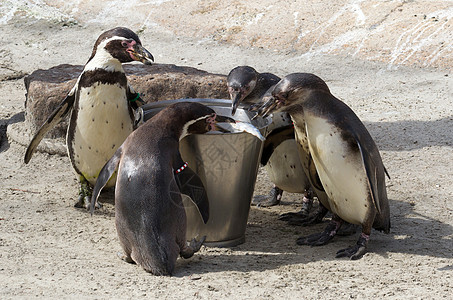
pixel 271 244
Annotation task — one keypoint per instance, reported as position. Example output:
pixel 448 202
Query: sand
pixel 49 249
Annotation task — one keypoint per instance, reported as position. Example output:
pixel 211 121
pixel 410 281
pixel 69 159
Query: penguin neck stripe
pixel 185 165
pixel 102 76
pixel 187 125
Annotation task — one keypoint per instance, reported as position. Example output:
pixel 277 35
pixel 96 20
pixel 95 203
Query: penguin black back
pixel 150 216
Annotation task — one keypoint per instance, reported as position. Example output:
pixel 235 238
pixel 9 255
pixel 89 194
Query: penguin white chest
pixel 285 169
pixel 340 169
pixel 103 123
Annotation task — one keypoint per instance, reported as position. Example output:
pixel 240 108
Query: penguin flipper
pixel 275 138
pixel 57 115
pixel 371 174
pixel 133 98
pixel 104 176
pixel 134 103
pixel 190 184
pixel 313 173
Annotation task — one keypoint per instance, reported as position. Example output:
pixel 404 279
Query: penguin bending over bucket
pixel 102 104
pixel 280 155
pixel 346 158
pixel 149 213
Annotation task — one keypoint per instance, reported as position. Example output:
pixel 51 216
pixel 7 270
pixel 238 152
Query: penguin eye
pixel 282 96
pixel 124 44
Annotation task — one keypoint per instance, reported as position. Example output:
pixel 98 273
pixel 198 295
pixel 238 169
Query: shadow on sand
pixel 273 245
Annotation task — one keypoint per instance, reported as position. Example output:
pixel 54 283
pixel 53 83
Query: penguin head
pixel 290 93
pixel 122 44
pixel 241 81
pixel 192 118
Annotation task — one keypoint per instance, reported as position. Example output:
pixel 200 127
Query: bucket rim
pixel 224 103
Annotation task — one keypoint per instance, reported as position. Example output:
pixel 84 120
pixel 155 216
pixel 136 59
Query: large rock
pixel 47 88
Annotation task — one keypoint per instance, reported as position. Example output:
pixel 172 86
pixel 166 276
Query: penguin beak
pixel 236 94
pixel 254 107
pixel 236 97
pixel 270 104
pixel 221 119
pixel 224 119
pixel 139 53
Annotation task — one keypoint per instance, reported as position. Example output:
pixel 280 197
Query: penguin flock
pixel 316 146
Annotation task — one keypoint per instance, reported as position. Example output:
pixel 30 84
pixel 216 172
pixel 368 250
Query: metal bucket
pixel 227 163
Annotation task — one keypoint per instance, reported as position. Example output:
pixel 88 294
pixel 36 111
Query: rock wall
pixel 418 33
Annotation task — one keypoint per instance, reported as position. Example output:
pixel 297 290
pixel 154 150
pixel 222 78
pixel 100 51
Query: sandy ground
pixel 48 249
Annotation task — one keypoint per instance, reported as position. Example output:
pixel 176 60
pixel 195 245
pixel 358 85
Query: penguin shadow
pixel 414 233
pixel 271 243
pixel 107 201
pixel 4 123
pixel 411 135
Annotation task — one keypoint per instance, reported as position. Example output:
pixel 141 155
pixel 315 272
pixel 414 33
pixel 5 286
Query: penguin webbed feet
pixel 303 214
pixel 192 247
pixel 322 238
pixel 303 217
pixel 84 200
pixel 274 198
pixel 124 257
pixel 290 216
pixel 314 218
pixel 357 251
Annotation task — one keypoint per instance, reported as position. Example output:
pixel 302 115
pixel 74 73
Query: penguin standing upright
pixel 280 155
pixel 346 158
pixel 149 213
pixel 102 104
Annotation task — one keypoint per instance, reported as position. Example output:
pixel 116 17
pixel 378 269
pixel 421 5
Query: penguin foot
pixel 125 257
pixel 300 215
pixel 194 246
pixel 315 218
pixel 319 239
pixel 356 251
pixel 274 197
pixel 84 200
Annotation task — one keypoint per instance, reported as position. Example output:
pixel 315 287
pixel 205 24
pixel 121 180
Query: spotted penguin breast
pixel 340 170
pixel 285 169
pixel 102 124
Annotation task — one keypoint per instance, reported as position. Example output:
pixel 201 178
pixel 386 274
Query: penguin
pixel 102 105
pixel 247 86
pixel 345 155
pixel 149 213
pixel 280 155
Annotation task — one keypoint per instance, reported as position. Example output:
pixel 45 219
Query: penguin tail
pixel 104 176
pixel 157 257
pixel 158 268
pixel 385 228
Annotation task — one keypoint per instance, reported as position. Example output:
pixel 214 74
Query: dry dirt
pixel 48 249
